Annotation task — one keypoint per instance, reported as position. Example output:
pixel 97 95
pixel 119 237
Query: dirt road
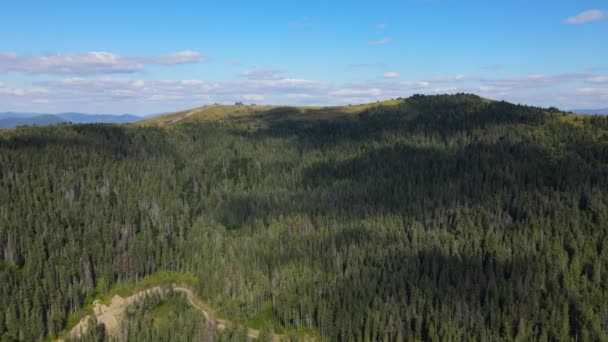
pixel 111 315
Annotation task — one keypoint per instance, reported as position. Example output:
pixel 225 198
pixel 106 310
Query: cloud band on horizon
pixel 91 63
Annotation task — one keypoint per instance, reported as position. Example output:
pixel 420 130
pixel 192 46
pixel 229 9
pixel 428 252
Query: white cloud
pixel 22 91
pixel 593 91
pixel 89 63
pixel 586 17
pixel 138 83
pixel 382 26
pixel 416 84
pixel 391 74
pixel 592 97
pixel 253 97
pixel 263 74
pixel 380 41
pixel 298 96
pixel 281 84
pixel 452 79
pixel 110 94
pixel 192 82
pixel 445 90
pixel 165 98
pixel 180 57
pixel 357 92
pixel 599 79
pixel 533 81
pixel 119 95
pixel 489 89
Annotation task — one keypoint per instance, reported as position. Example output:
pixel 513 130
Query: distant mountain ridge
pixel 590 111
pixel 11 122
pixel 13 119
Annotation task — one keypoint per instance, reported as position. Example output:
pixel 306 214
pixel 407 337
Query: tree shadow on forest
pixel 414 180
pixel 408 180
pixel 472 292
pixel 441 114
pixel 405 277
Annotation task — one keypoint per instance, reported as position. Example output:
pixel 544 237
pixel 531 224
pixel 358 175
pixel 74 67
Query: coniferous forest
pixel 437 218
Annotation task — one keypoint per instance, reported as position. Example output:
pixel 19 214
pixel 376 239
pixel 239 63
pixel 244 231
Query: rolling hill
pixel 447 217
pixel 261 113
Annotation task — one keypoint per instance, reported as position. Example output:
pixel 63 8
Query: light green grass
pixel 161 313
pixel 266 318
pixel 575 120
pixel 157 279
pixel 257 114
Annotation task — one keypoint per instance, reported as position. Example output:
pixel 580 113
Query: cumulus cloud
pixel 110 94
pixel 590 97
pixel 298 96
pixel 533 81
pixel 415 84
pixel 90 63
pixel 118 94
pixel 263 74
pixel 380 41
pixel 180 57
pixel 391 74
pixel 586 17
pixel 291 84
pixel 6 90
pixel 453 79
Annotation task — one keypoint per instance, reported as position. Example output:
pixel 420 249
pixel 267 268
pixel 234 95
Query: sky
pixel 145 57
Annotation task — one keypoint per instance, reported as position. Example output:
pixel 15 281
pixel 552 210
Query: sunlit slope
pixel 257 112
pixel 261 114
pixel 206 113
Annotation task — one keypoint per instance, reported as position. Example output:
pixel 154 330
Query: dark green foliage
pixel 444 218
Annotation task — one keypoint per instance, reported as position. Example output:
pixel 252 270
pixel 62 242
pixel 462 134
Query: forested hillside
pixel 433 218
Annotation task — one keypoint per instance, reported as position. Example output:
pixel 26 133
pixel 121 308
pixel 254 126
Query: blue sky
pixel 147 56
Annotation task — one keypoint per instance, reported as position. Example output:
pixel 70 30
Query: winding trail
pixel 111 315
pixel 188 114
pixel 220 324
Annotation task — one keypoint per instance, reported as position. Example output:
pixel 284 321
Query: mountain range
pixel 591 111
pixel 13 119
